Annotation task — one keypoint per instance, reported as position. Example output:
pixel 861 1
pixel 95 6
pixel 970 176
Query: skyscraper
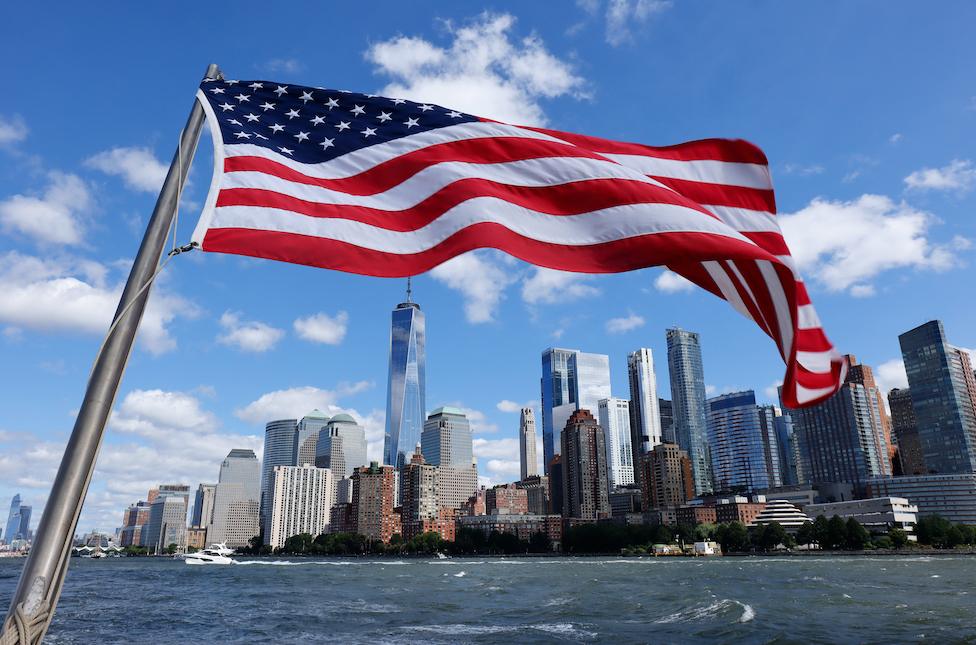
pixel 307 437
pixel 279 450
pixel 527 456
pixel 418 497
pixel 13 520
pixel 203 506
pixel 667 420
pixel 904 426
pixel 372 502
pixel 584 461
pixel 689 408
pixel 770 440
pixel 940 378
pixel 237 496
pixel 25 518
pixel 735 439
pixel 645 413
pixel 341 446
pixel 864 375
pixel 446 442
pixel 666 481
pixel 571 380
pixel 167 524
pixel 406 401
pixel 301 501
pixel 615 417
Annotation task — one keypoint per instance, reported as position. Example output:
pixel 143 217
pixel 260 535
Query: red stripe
pixel 772 242
pixel 812 340
pixel 392 172
pixel 610 257
pixel 565 199
pixel 708 194
pixel 760 291
pixel 733 150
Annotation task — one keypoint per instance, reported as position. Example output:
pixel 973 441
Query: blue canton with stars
pixel 311 124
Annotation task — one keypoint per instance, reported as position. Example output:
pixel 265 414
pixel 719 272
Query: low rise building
pixel 739 509
pixel 950 496
pixel 877 514
pixel 506 499
pixel 625 500
pixel 783 513
pixel 536 489
pixel 694 514
pixel 196 538
pixel 522 526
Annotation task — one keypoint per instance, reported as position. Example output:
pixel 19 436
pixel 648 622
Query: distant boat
pixel 441 556
pixel 216 554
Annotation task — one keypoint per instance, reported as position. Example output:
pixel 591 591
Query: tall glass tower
pixel 645 414
pixel 406 390
pixel 688 404
pixel 13 520
pixel 735 439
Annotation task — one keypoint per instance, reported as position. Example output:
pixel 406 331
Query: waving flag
pixel 389 187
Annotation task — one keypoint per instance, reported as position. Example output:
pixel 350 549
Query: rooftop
pixel 447 409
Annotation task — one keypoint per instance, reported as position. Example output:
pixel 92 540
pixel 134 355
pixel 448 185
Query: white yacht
pixel 216 554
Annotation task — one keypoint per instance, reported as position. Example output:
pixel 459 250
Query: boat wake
pixel 711 610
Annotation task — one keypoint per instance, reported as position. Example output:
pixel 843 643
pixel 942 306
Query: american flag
pixel 389 187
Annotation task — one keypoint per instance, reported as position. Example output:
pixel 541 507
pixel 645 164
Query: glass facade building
pixel 279 450
pixel 571 380
pixel 614 417
pixel 406 401
pixel 943 394
pixel 307 436
pixel 12 529
pixel 341 446
pixel 735 439
pixel 645 414
pixel 771 452
pixel 688 405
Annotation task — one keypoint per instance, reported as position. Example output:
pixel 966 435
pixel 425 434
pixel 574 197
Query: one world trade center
pixel 405 392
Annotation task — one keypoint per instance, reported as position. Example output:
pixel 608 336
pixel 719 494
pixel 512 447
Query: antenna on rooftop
pixel 408 289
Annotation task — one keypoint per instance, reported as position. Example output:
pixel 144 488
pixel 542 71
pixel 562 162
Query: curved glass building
pixel 405 392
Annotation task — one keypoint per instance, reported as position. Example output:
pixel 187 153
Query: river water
pixel 531 600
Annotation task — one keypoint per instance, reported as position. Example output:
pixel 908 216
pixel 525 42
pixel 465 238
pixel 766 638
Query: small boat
pixel 216 554
pixel 441 556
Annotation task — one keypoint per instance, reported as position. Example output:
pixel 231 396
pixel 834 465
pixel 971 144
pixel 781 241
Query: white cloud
pixel 549 286
pixel 323 328
pixel 959 175
pixel 498 459
pixel 480 424
pixel 55 216
pixel 296 402
pixel 625 324
pixel 624 15
pixel 485 70
pixel 803 170
pixel 772 391
pixel 862 290
pixel 286 65
pixel 247 335
pixel 844 245
pixel 496 448
pixel 70 294
pixel 896 138
pixel 480 281
pixel 138 167
pixel 13 130
pixel 891 374
pixel 514 406
pixel 671 282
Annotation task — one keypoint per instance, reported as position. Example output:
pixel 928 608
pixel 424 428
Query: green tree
pixel 899 538
pixel 171 549
pixel 298 544
pixel 968 534
pixel 857 536
pixel 732 537
pixel 954 537
pixel 821 532
pixel 767 537
pixel 806 535
pixel 836 536
pixel 539 542
pixel 933 530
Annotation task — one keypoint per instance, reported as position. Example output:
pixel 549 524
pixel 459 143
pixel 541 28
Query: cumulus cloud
pixel 549 286
pixel 959 176
pixel 70 294
pixel 485 70
pixel 498 459
pixel 514 406
pixel 13 129
pixel 323 328
pixel 803 170
pixel 480 424
pixel 138 168
pixel 479 279
pixel 247 335
pixel 623 17
pixel 896 138
pixel 625 324
pixel 844 245
pixel 296 402
pixel 671 282
pixel 54 216
pixel 772 391
pixel 285 65
pixel 891 374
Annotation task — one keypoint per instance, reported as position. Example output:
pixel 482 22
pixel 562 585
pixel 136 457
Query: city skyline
pixel 296 339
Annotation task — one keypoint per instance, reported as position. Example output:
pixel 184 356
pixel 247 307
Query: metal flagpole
pixel 33 604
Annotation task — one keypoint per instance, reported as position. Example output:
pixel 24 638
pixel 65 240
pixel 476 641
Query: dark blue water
pixel 557 600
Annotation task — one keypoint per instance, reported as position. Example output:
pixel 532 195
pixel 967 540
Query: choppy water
pixel 557 600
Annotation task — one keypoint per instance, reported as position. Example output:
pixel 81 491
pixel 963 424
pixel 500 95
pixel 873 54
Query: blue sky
pixel 867 112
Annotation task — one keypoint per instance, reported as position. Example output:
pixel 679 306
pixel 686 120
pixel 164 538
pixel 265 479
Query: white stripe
pixel 412 191
pixel 218 170
pixel 729 173
pixel 595 227
pixel 355 162
pixel 747 220
pixel 804 395
pixel 783 314
pixel 817 362
pixel 726 287
pixel 807 317
pixel 745 285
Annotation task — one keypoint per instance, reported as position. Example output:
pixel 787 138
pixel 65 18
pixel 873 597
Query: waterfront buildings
pixel 522 526
pixel 536 494
pixel 645 413
pixel 406 400
pixel 301 500
pixel 372 511
pixel 783 513
pixel 237 496
pixel 15 521
pixel 790 468
pixel 877 515
pixel 666 408
pixel 279 450
pixel 307 436
pixel 571 380
pixel 134 521
pixel 739 509
pixel 341 446
pixel 585 490
pixel 864 375
pixel 203 503
pixel 951 496
pixel 841 440
pixel 943 392
pixel 446 443
pixel 196 538
pixel 667 480
pixel 527 456
pixel 614 417
pixel 772 455
pixel 904 427
pixel 418 495
pixel 735 439
pixel 506 499
pixel 694 514
pixel 167 524
pixel 689 408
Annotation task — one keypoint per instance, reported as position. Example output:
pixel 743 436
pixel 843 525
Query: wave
pixel 711 610
pixel 564 629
